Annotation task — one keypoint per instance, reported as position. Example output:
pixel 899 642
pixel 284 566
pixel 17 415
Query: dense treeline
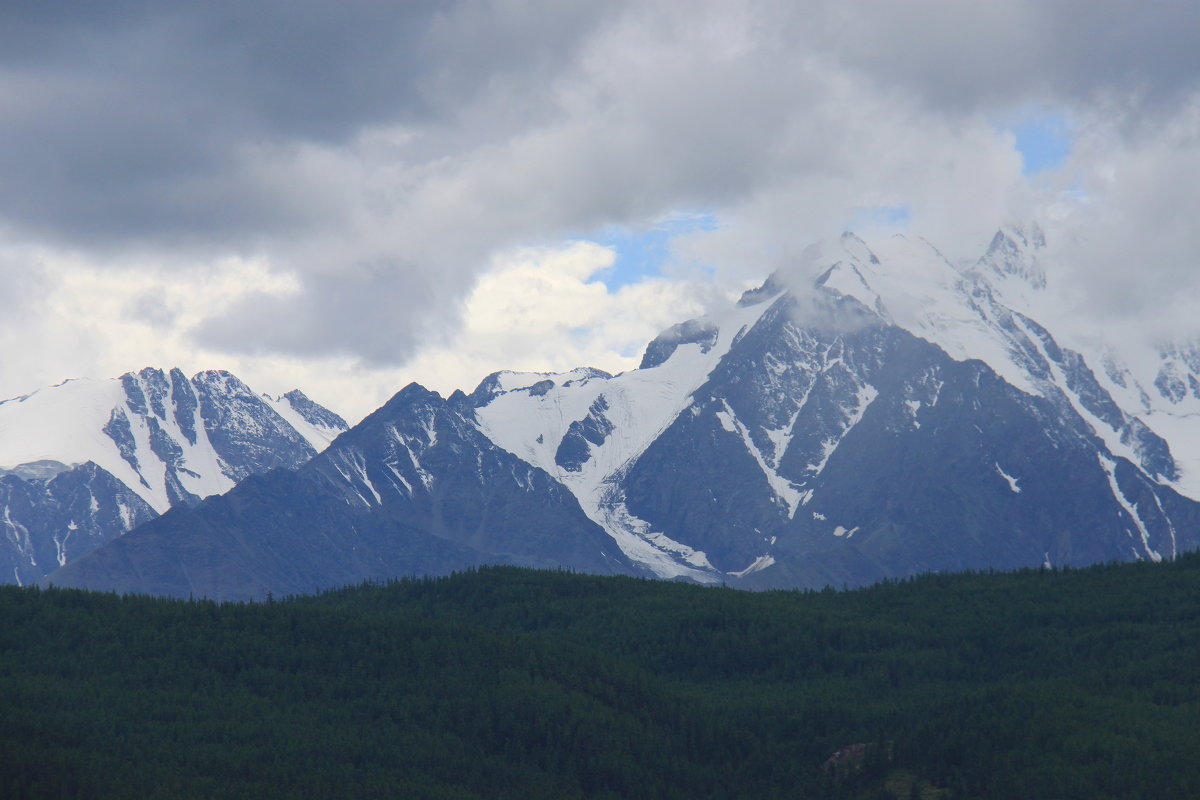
pixel 512 683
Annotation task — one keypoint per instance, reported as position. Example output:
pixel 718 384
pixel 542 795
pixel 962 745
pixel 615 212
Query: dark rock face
pixel 414 489
pixel 690 332
pixel 49 518
pixel 121 432
pixel 575 448
pixel 183 399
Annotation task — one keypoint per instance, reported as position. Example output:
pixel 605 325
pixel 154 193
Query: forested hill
pixel 509 683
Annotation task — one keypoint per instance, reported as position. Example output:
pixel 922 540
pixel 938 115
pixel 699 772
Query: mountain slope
pixel 86 461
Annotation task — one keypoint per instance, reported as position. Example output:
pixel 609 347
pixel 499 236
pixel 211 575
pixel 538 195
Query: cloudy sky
pixel 348 196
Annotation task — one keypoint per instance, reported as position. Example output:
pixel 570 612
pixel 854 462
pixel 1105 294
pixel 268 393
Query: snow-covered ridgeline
pixel 910 284
pixel 317 431
pixel 149 429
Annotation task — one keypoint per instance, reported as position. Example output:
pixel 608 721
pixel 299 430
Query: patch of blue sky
pixel 1043 139
pixel 641 252
pixel 876 218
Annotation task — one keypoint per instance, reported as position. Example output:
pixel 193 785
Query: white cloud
pixel 540 309
pixel 1126 240
pixel 94 320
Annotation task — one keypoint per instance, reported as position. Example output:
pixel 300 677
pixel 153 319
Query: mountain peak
pixel 314 413
pixel 410 394
pixel 855 247
pixel 1014 252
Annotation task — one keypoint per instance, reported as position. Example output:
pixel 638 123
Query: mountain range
pixel 87 460
pixel 870 412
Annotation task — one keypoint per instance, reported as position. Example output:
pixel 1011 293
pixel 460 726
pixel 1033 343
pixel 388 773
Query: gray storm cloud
pixel 382 152
pixel 140 120
pixel 967 56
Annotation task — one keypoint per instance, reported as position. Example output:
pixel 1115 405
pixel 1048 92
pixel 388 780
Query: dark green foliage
pixel 515 683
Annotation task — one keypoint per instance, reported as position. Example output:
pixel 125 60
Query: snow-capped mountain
pixel 414 488
pixel 873 412
pixel 892 415
pixel 888 416
pixel 87 460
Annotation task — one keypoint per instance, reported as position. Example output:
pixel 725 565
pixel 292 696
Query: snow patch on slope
pixel 784 490
pixel 760 563
pixel 1110 471
pixel 656 551
pixel 1145 382
pixel 1012 482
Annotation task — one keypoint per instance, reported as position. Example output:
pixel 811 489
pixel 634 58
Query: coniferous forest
pixel 510 683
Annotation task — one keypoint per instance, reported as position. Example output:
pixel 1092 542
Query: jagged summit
pixel 313 413
pixel 314 422
pixel 1015 251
